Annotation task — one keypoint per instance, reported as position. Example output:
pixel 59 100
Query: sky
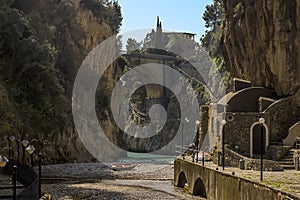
pixel 176 15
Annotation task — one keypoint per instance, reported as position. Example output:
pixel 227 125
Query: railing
pixel 189 151
pixel 13 187
pixel 31 192
pixel 25 175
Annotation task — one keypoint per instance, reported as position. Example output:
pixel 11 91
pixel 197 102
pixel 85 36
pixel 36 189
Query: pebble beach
pixel 98 181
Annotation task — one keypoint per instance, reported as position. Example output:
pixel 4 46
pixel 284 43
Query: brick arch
pixel 199 188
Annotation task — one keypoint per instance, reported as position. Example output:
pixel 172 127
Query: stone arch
pixel 245 100
pixel 199 188
pixel 251 137
pixel 181 180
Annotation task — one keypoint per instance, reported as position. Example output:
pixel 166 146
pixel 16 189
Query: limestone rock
pixel 261 42
pixel 77 32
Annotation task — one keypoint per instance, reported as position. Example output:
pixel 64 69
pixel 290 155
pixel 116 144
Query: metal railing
pixel 13 187
pixel 26 176
pixel 31 192
pixel 190 151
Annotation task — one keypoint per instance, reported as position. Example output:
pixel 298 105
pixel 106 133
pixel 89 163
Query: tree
pixel 212 18
pixel 119 44
pixel 115 17
pixel 133 45
pixel 212 15
pixel 149 40
pixel 178 43
pixel 211 40
pixel 107 11
pixel 212 37
pixel 28 74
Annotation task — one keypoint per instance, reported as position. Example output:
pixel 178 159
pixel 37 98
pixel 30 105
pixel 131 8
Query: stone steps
pixel 288 167
pixel 286 159
pixel 287 162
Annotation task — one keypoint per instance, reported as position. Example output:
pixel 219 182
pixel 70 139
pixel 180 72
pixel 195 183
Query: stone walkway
pixel 287 181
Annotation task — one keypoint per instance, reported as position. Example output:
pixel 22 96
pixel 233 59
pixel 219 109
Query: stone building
pixel 240 111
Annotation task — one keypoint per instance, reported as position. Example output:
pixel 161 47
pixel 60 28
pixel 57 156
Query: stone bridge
pixel 157 94
pixel 212 184
pixel 185 68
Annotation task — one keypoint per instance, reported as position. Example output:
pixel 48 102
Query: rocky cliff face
pixel 261 42
pixel 77 31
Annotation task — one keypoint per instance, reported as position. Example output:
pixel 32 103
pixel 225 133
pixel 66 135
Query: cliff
pixel 71 28
pixel 78 31
pixel 261 42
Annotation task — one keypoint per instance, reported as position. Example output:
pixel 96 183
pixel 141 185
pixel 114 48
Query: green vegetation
pixel 171 41
pixel 211 40
pixel 202 94
pixel 133 45
pixel 32 95
pixel 238 9
pixel 105 10
pixel 149 40
pixel 33 85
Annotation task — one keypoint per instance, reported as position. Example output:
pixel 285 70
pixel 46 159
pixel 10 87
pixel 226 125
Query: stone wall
pixel 241 131
pixel 275 152
pixel 237 130
pixel 218 185
pixel 283 114
pixel 233 159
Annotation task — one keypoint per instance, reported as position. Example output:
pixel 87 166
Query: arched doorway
pixel 255 138
pixel 181 180
pixel 199 189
